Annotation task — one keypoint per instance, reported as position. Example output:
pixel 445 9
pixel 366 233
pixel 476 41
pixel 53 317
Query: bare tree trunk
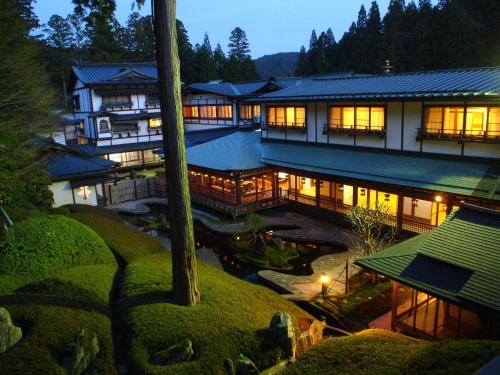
pixel 185 281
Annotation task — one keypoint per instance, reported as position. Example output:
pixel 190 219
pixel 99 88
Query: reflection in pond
pixel 221 245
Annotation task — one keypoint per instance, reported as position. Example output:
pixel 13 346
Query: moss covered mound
pixel 44 246
pixel 378 352
pixel 230 319
pixel 48 332
pixel 127 243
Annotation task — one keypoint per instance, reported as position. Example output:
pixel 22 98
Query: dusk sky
pixel 271 25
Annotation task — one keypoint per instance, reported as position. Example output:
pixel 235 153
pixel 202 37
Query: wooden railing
pixel 352 131
pixel 284 126
pixel 459 135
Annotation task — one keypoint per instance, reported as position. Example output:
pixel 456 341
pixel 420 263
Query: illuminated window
pixel 190 111
pixel 104 126
pixel 225 111
pixel 208 112
pixel 249 112
pixel 155 123
pixel 479 121
pixel 289 116
pixel 494 121
pixel 359 118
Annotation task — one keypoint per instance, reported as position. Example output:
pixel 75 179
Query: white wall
pixel 401 131
pixel 63 195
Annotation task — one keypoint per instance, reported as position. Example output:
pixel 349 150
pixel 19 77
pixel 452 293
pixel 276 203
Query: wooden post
pixel 400 211
pixel 347 276
pixel 184 272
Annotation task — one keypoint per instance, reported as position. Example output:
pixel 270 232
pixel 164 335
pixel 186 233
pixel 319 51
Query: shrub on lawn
pixel 127 243
pixel 46 245
pixel 92 210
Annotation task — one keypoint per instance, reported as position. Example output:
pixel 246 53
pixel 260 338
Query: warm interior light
pixel 325 279
pixel 438 198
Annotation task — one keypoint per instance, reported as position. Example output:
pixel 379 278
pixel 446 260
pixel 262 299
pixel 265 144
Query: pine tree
pixel 204 61
pixel 394 34
pixel 373 39
pixel 186 54
pixel 239 65
pixel 239 48
pixel 26 105
pixel 220 60
pixel 302 63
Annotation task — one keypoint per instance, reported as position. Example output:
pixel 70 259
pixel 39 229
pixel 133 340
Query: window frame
pixel 117 104
pixel 354 130
pixel 217 117
pixel 463 134
pixel 252 111
pixel 153 103
pixel 285 124
pixel 76 103
pixel 108 124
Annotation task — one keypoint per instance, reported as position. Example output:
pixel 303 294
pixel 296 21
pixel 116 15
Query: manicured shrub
pixel 97 211
pixel 128 243
pixel 89 284
pixel 45 246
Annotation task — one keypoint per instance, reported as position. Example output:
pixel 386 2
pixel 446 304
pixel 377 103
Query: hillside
pixel 281 64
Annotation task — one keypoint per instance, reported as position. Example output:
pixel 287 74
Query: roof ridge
pixel 112 63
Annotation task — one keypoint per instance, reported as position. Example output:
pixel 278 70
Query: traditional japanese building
pixel 446 282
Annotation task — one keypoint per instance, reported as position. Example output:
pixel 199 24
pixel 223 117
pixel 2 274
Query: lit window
pixel 362 118
pixel 433 119
pixel 290 116
pixel 359 118
pixel 190 111
pixel 225 111
pixel 494 122
pixel 377 118
pixel 155 123
pixel 475 123
pixel 249 112
pixel 103 126
pixel 208 112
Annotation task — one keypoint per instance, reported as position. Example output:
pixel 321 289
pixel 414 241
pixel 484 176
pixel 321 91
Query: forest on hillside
pixel 412 35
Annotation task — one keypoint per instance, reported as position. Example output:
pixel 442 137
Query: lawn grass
pixel 129 244
pixel 47 330
pixel 379 352
pixel 229 320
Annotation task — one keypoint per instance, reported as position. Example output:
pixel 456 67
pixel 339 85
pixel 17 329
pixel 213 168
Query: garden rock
pixel 311 336
pixel 10 335
pixel 245 366
pixel 260 245
pixel 229 367
pixel 86 349
pixel 179 353
pixel 282 332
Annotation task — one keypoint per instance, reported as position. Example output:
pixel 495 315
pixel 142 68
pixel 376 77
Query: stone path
pixel 308 288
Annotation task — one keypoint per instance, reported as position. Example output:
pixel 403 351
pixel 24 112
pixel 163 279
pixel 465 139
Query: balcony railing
pixel 492 136
pixel 285 126
pixel 116 106
pixel 378 131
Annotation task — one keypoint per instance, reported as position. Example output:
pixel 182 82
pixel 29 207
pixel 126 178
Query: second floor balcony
pixel 459 135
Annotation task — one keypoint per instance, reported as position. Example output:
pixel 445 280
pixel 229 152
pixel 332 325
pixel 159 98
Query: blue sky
pixel 271 25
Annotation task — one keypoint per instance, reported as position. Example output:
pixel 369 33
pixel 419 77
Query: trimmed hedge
pixel 128 243
pixel 47 330
pixel 230 319
pixel 45 246
pixel 380 352
pixel 84 283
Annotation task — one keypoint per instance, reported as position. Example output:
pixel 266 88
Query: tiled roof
pixel 67 166
pixel 425 172
pixel 467 243
pixel 473 82
pixel 100 73
pixel 234 152
pixel 114 149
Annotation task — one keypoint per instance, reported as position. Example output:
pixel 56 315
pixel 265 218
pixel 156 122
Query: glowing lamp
pixel 438 198
pixel 325 279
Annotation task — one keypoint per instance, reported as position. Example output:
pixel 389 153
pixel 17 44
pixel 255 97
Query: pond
pixel 221 245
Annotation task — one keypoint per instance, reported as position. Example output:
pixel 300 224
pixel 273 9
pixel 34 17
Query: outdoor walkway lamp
pixel 325 280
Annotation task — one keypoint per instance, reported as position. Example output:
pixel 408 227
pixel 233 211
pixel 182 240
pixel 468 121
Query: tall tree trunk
pixel 185 281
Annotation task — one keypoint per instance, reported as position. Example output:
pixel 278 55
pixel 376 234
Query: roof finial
pixel 387 68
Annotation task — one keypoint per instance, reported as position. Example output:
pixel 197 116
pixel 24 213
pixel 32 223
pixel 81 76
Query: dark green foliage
pixel 47 245
pixel 127 243
pixel 276 65
pixel 49 330
pixel 205 67
pixel 450 34
pixel 380 352
pixel 25 109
